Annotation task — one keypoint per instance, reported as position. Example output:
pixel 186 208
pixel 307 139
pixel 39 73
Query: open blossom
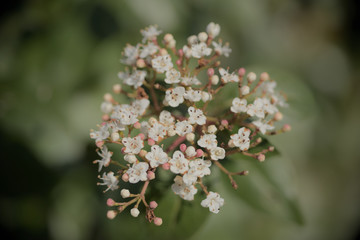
pixel 200 50
pixel 263 127
pixel 268 107
pixel 182 128
pixel 133 145
pixel 139 106
pixel 150 33
pixel 193 95
pixel 110 181
pixel 172 76
pixel 268 87
pixel 162 63
pixel 157 131
pixel 196 116
pixel 100 135
pixel 148 50
pixel 222 50
pixel 138 172
pixel 126 114
pixel 213 29
pixel 106 107
pixel 105 158
pixel 115 125
pixel 256 108
pixel 175 97
pixel 188 80
pixel 134 79
pixel 213 201
pixel 157 156
pixel 186 192
pixel 217 153
pixel 197 168
pixel 130 53
pixel 207 141
pixel 241 139
pixel 238 105
pixel 178 163
pixel 166 118
pixel 228 77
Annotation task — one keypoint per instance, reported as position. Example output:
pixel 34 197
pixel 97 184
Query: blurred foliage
pixel 58 58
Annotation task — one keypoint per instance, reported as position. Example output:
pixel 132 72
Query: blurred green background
pixel 58 58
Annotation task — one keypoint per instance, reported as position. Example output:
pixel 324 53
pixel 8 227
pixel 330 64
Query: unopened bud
pixel 199 153
pixel 143 153
pixel 150 175
pixel 158 221
pixel 163 52
pixel 214 79
pixel 251 77
pixel 153 204
pixel 231 143
pixel 115 136
pixel 151 141
pixel 125 193
pixel 130 158
pixel 142 136
pixel 205 96
pixel 110 202
pixel 168 37
pixel 137 125
pixel 125 177
pixel 245 90
pixel 271 148
pixel 171 132
pixel 134 212
pixel 278 116
pixel 140 63
pixel 261 157
pixel 210 72
pixel 111 214
pixel 105 117
pixel 225 123
pixel 183 147
pixel 258 140
pixel 241 72
pixel 286 128
pixel 190 151
pixel 99 144
pixel 117 88
pixel 264 76
pixel 212 129
pixel 166 166
pixel 192 39
pixel 190 137
pixel 202 36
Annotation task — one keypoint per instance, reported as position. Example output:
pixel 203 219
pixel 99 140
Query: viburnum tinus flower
pixel 163 123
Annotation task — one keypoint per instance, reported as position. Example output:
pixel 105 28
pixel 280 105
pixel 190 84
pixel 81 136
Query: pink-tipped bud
pixel 261 157
pixel 143 153
pixel 278 116
pixel 258 140
pixel 286 128
pixel 178 62
pixel 105 117
pixel 153 204
pixel 117 88
pixel 140 63
pixel 183 147
pixel 137 125
pixel 166 166
pixel 125 177
pixel 108 97
pixel 271 148
pixel 241 72
pixel 181 52
pixel 224 122
pixel 151 141
pixel 123 150
pixel 142 136
pixel 210 72
pixel 158 221
pixel 111 214
pixel 110 202
pixel 150 175
pixel 264 76
pixel 199 153
pixel 99 144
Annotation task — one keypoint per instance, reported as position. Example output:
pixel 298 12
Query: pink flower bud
pixel 178 62
pixel 181 52
pixel 261 157
pixel 183 147
pixel 150 175
pixel 166 166
pixel 264 76
pixel 142 136
pixel 286 128
pixel 199 153
pixel 241 72
pixel 123 150
pixel 110 202
pixel 125 177
pixel 224 122
pixel 105 117
pixel 153 204
pixel 151 141
pixel 99 144
pixel 158 221
pixel 210 72
pixel 111 214
pixel 137 125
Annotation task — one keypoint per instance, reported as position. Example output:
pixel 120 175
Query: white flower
pixel 222 50
pixel 213 29
pixel 279 100
pixel 207 141
pixel 184 191
pixel 257 108
pixel 227 77
pixel 190 176
pixel 183 127
pixel 178 163
pixel 190 151
pixel 134 212
pixel 196 116
pixel 193 95
pixel 148 50
pixel 150 33
pixel 241 139
pixel 140 105
pixel 130 158
pixel 238 105
pixel 157 156
pixel 187 51
pixel 138 172
pixel 162 63
pixel 166 118
pixel 125 114
pixel 198 168
pixel 156 131
pixel 268 107
pixel 100 135
pixel 130 54
pixel 110 181
pixel 105 157
pixel 106 107
pixel 188 81
pixel 135 79
pixel 175 96
pixel 172 76
pixel 217 153
pixel 115 125
pixel 133 145
pixel 213 201
pixel 263 127
pixel 200 49
pixel 268 87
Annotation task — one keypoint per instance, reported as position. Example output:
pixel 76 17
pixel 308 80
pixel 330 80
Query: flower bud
pixel 199 153
pixel 261 157
pixel 166 166
pixel 134 212
pixel 231 143
pixel 212 129
pixel 111 214
pixel 271 148
pixel 158 221
pixel 183 147
pixel 151 141
pixel 245 90
pixel 117 88
pixel 108 97
pixel 152 121
pixel 150 175
pixel 241 72
pixel 142 136
pixel 213 29
pixel 214 79
pixel 172 44
pixel 264 76
pixel 130 158
pixel 171 132
pixel 210 72
pixel 143 153
pixel 225 123
pixel 205 96
pixel 190 151
pixel 286 128
pixel 110 202
pixel 137 125
pixel 168 37
pixel 251 77
pixel 258 140
pixel 140 63
pixel 106 107
pixel 202 36
pixel 115 136
pixel 105 117
pixel 178 62
pixel 153 204
pixel 278 116
pixel 190 137
pixel 192 39
pixel 163 52
pixel 125 193
pixel 125 177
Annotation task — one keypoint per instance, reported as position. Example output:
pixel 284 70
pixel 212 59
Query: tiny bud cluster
pixel 165 124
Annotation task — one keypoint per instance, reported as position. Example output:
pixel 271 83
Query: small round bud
pixel 137 125
pixel 264 76
pixel 181 52
pixel 212 129
pixel 258 140
pixel 225 123
pixel 108 97
pixel 251 77
pixel 172 43
pixel 286 128
pixel 123 150
pixel 245 90
pixel 125 193
pixel 140 63
pixel 214 79
pixel 210 72
pixel 202 36
pixel 171 132
pixel 105 117
pixel 158 221
pixel 261 157
pixel 241 72
pixel 190 137
pixel 110 202
pixel 192 39
pixel 168 37
pixel 111 214
pixel 190 151
pixel 99 144
pixel 143 153
pixel 117 88
pixel 106 107
pixel 183 147
pixel 153 204
pixel 115 136
pixel 231 143
pixel 151 141
pixel 125 177
pixel 163 52
pixel 205 96
pixel 178 62
pixel 130 158
pixel 152 121
pixel 278 116
pixel 142 136
pixel 134 212
pixel 199 153
pixel 271 148
pixel 166 166
pixel 150 175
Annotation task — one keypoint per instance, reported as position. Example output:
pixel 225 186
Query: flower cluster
pixel 165 125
